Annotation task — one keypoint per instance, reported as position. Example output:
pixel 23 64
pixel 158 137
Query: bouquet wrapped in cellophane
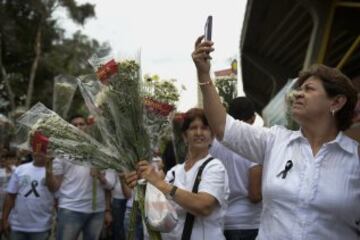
pixel 64 90
pixel 156 120
pixel 112 95
pixel 129 121
pixel 66 140
pixel 177 120
pixel 7 130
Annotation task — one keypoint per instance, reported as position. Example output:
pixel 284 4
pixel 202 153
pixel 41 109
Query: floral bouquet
pixel 115 97
pixel 64 90
pixel 156 120
pixel 7 129
pixel 66 140
pixel 177 120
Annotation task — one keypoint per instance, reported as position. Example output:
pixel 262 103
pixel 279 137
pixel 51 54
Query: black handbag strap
pixel 189 220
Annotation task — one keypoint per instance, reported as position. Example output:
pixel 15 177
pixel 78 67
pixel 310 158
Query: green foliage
pixel 227 89
pixel 161 90
pixel 21 21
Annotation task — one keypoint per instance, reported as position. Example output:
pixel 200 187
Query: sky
pixel 165 31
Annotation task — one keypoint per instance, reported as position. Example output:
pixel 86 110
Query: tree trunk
pixel 34 67
pixel 5 78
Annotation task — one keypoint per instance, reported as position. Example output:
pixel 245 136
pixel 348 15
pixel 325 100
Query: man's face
pixel 79 122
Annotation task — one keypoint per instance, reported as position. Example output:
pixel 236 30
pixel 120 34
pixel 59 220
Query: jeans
pixel 139 234
pixel 244 234
pixel 71 223
pixel 16 235
pixel 118 214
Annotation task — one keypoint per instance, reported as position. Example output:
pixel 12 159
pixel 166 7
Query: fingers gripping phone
pixel 208 28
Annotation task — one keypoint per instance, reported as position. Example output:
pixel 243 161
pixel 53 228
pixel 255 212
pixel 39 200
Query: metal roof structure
pixel 281 37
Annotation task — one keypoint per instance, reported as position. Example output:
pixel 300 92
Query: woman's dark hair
pixel 168 156
pixel 335 83
pixel 191 115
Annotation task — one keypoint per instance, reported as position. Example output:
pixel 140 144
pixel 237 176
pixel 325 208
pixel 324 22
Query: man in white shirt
pixel 242 219
pixel 28 202
pixel 77 186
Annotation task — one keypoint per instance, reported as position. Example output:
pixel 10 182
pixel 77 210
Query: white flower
pixel 102 96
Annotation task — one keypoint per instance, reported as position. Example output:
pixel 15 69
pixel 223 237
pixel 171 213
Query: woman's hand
pixel 147 171
pixel 201 55
pixel 131 179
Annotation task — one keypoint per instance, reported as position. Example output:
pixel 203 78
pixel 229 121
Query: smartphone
pixel 208 28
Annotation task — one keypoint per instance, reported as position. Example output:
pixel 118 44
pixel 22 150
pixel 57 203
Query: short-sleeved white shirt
pixel 117 191
pixel 34 203
pixel 214 181
pixel 4 180
pixel 241 213
pixel 76 190
pixel 320 196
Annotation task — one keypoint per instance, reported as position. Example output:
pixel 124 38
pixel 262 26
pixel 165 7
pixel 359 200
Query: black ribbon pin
pixel 288 166
pixel 173 179
pixel 34 184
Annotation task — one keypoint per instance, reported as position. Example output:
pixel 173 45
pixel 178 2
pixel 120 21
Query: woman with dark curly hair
pixel 311 177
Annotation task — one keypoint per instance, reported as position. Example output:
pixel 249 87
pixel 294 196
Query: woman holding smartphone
pixel 311 177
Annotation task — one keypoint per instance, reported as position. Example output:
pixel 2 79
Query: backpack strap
pixel 189 220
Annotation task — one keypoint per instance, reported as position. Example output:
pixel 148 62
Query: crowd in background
pixel 236 182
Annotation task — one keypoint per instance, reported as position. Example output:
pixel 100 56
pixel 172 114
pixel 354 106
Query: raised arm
pixel 214 110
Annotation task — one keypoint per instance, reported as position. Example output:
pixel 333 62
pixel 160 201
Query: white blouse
pixel 214 181
pixel 318 197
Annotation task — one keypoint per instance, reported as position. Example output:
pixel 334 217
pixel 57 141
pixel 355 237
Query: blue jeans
pixel 16 235
pixel 71 223
pixel 118 214
pixel 139 234
pixel 244 234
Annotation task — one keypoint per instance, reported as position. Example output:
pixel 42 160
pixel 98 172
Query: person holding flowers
pixel 27 211
pixel 200 211
pixel 83 203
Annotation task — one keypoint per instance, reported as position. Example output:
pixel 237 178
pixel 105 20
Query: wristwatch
pixel 171 194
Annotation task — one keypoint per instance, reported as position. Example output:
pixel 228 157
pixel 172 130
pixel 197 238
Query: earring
pixel 332 112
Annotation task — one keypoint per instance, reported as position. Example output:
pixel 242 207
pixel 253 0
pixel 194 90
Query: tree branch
pixel 37 48
pixel 5 78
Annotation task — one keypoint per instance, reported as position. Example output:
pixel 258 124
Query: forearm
pixel 197 204
pixel 107 200
pixel 106 184
pixel 52 182
pixel 214 110
pixel 8 205
pixel 125 188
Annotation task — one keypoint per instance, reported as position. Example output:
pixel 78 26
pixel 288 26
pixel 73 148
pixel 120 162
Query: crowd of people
pixel 237 181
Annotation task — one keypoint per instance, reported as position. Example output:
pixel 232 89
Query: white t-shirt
pixel 214 181
pixel 34 202
pixel 76 190
pixel 320 196
pixel 241 213
pixel 117 191
pixel 4 180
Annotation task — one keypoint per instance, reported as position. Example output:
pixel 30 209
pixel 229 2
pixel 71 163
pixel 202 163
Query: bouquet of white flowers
pixel 65 139
pixel 129 122
pixel 64 90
